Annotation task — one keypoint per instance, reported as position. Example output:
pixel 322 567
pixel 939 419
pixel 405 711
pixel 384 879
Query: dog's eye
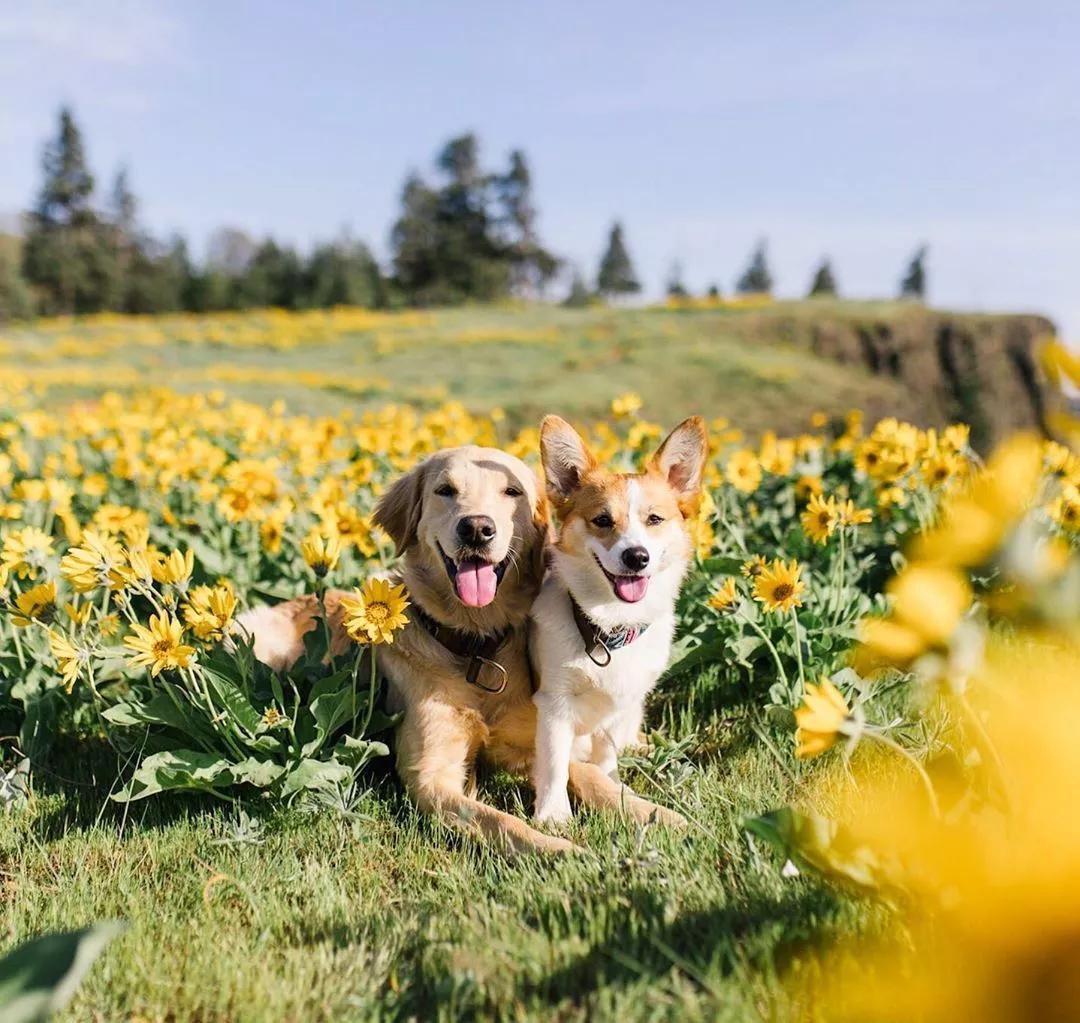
pixel 603 521
pixel 446 490
pixel 654 520
pixel 513 492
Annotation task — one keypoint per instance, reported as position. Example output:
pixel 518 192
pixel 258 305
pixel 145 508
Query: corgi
pixel 605 615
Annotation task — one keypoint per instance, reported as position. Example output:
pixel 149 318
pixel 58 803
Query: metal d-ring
pixel 603 646
pixel 473 674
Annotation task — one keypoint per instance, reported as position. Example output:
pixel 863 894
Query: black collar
pixel 474 647
pixel 597 641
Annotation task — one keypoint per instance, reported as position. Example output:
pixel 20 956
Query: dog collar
pixel 598 641
pixel 477 649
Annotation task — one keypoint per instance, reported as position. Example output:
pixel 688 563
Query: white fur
pixel 586 712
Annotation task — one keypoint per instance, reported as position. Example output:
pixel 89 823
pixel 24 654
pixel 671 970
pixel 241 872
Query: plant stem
pixel 772 649
pixel 798 648
pixel 919 769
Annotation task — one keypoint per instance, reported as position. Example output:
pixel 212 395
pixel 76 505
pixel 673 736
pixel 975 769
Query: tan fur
pixel 447 722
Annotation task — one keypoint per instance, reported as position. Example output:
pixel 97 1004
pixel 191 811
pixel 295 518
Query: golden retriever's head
pixel 470 524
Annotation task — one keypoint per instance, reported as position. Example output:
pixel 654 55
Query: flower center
pixel 783 591
pixel 378 612
pixel 162 648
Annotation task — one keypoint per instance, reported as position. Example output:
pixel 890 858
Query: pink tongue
pixel 476 583
pixel 631 588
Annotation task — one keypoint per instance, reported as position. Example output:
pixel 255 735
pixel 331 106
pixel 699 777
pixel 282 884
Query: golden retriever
pixel 470 525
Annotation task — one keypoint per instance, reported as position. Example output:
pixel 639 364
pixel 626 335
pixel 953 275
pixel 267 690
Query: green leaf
pixel 231 697
pixel 175 769
pixel 39 978
pixel 704 654
pixel 820 844
pixel 158 710
pixel 316 774
pixel 260 773
pixel 357 752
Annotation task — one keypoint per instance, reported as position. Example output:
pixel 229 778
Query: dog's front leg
pixel 551 766
pixel 594 788
pixel 436 743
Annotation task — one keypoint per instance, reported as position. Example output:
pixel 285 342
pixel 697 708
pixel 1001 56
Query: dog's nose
pixel 476 529
pixel 635 558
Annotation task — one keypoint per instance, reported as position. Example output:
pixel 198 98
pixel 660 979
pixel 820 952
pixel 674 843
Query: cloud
pixel 120 33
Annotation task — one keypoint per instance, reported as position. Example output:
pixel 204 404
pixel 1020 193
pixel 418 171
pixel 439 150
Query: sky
pixel 853 129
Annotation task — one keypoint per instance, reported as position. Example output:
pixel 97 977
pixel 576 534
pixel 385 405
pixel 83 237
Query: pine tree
pixel 616 276
pixel 578 297
pixel 713 292
pixel 532 265
pixel 913 284
pixel 66 255
pixel 824 282
pixel 756 278
pixel 675 286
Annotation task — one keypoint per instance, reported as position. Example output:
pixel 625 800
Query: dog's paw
pixel 667 818
pixel 553 811
pixel 552 845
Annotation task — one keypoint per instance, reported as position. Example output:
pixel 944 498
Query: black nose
pixel 635 558
pixel 476 530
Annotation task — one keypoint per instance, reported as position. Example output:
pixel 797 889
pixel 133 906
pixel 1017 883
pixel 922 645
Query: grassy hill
pixel 766 367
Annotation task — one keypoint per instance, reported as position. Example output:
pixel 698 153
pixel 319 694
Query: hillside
pixel 767 367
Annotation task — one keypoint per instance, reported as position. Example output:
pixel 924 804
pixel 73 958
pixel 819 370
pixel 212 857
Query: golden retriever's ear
pixel 681 461
pixel 544 537
pixel 398 511
pixel 565 457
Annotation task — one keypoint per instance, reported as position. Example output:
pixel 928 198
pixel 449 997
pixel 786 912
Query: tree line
pixel 467 234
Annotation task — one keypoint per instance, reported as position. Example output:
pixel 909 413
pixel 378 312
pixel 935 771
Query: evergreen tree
pixel 756 278
pixel 675 286
pixel 16 299
pixel 913 284
pixel 415 241
pixel 532 266
pixel 824 282
pixel 578 297
pixel 713 292
pixel 343 273
pixel 67 256
pixel 616 276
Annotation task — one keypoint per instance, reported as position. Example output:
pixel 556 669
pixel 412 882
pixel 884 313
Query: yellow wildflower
pixel 743 471
pixel 820 720
pixel 725 598
pixel 778 586
pixel 321 553
pixel 36 604
pixel 159 647
pixel 25 551
pixel 820 518
pixel 375 613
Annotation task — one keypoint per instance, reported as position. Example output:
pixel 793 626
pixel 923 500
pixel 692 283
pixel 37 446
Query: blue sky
pixel 853 129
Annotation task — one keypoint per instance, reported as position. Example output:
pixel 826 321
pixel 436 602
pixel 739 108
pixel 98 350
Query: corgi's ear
pixel 681 461
pixel 566 458
pixel 398 511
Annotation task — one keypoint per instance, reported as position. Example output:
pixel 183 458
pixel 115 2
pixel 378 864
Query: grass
pixel 735 364
pixel 373 912
pixel 370 912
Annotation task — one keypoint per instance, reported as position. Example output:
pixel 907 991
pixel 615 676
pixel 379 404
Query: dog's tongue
pixel 476 583
pixel 631 588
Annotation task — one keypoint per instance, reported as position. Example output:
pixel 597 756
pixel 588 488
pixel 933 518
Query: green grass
pixel 381 914
pixel 742 365
pixel 372 912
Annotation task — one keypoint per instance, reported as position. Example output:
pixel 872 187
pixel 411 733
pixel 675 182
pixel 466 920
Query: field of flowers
pixel 874 677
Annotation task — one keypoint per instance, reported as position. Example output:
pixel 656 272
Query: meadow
pixel 865 596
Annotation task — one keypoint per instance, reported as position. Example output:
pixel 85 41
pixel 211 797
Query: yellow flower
pixel 754 567
pixel 97 561
pixel 1065 509
pixel 626 404
pixel 820 519
pixel 375 613
pixel 69 658
pixel 743 471
pixel 175 568
pixel 725 598
pixel 778 586
pixel 820 720
pixel 849 515
pixel 37 604
pixel 272 718
pixel 807 486
pixel 78 614
pixel 109 625
pixel 25 551
pixel 941 467
pixel 159 647
pixel 209 610
pixel 321 553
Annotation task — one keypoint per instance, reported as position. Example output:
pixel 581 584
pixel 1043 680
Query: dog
pixel 605 616
pixel 471 527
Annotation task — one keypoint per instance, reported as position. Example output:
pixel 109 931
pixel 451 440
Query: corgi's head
pixel 623 539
